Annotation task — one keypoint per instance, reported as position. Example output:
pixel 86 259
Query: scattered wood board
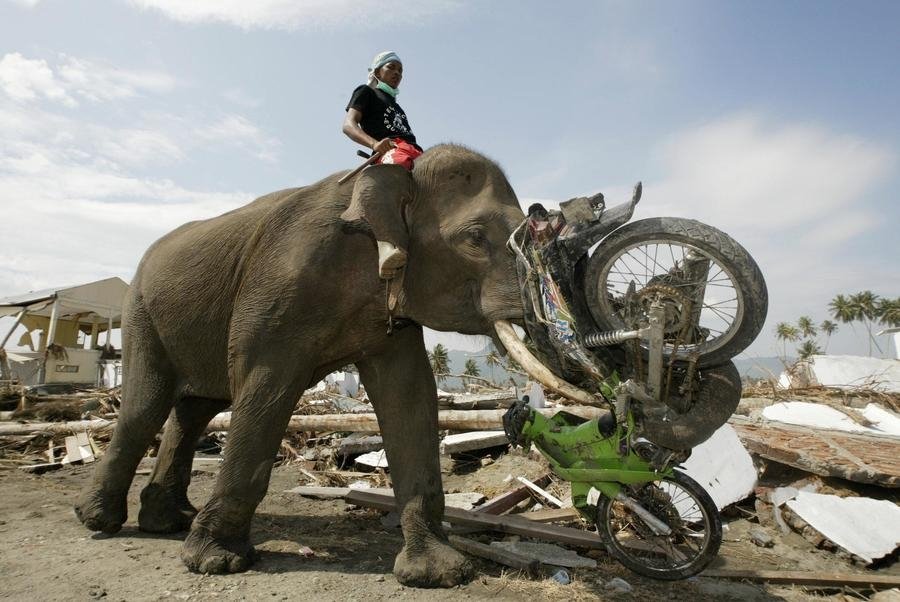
pixel 550 515
pixel 852 456
pixel 505 501
pixel 808 578
pixel 504 524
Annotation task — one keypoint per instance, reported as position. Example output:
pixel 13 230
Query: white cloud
pixel 742 171
pixel 240 132
pixel 24 79
pixel 102 82
pixel 26 3
pixel 293 15
pixel 792 194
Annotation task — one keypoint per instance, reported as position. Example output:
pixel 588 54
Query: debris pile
pixel 811 471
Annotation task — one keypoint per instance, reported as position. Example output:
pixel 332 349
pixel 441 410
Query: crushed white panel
pixel 546 553
pixel 375 459
pixel 817 415
pixel 852 372
pixel 536 397
pixel 461 442
pixel 349 385
pixel 862 526
pixel 723 467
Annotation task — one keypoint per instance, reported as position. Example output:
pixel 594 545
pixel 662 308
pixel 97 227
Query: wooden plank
pixel 504 502
pixel 807 578
pixel 503 524
pixel 853 456
pixel 333 493
pixel 463 442
pixel 455 420
pixel 550 515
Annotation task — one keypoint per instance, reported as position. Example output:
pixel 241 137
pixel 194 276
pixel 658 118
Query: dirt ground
pixel 45 554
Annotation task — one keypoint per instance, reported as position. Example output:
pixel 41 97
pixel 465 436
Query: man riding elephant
pixel 376 121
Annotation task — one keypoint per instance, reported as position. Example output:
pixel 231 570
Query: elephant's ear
pixel 380 194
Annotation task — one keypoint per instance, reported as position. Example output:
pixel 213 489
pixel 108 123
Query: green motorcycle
pixel 654 519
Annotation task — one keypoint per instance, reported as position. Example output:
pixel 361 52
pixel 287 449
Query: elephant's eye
pixel 477 237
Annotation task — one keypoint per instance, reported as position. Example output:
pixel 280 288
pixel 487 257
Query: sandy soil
pixel 45 554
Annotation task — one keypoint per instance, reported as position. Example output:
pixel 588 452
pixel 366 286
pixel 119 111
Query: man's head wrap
pixel 383 58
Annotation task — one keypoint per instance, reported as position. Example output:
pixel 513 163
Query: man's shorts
pixel 403 154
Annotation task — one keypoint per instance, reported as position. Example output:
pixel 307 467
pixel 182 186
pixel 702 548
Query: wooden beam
pixel 808 578
pixel 458 420
pixel 503 524
pixel 508 500
pixel 550 515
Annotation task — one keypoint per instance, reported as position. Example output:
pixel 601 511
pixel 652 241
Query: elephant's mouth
pixel 539 371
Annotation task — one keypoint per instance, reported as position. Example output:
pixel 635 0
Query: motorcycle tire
pixel 685 507
pixel 715 399
pixel 648 252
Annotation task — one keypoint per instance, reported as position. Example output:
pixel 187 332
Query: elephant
pixel 251 308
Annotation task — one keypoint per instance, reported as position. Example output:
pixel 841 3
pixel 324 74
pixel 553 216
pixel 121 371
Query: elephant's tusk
pixel 539 371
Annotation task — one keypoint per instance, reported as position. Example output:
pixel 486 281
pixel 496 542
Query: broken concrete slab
pixel 723 467
pixel 815 415
pixel 862 526
pixel 359 444
pixel 466 501
pixel 463 442
pixel 546 553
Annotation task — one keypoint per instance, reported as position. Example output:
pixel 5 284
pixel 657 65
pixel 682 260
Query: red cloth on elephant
pixel 403 154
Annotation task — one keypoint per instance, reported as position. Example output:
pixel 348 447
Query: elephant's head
pixel 454 214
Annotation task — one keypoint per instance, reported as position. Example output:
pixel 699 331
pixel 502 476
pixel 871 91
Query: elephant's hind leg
pixel 164 503
pixel 219 541
pixel 147 396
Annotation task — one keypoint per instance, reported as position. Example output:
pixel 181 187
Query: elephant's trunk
pixel 537 370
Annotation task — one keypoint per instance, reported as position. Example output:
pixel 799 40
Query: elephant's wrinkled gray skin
pixel 250 308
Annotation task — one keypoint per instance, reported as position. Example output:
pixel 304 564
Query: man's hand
pixel 383 146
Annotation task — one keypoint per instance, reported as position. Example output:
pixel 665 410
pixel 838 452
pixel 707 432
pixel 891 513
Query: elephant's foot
pixel 101 512
pixel 203 553
pixel 434 564
pixel 163 512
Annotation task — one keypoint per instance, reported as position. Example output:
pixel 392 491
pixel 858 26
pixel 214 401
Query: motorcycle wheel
pixel 687 425
pixel 685 507
pixel 652 253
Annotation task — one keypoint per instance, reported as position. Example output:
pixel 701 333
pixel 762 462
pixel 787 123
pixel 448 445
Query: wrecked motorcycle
pixel 646 325
pixel 588 316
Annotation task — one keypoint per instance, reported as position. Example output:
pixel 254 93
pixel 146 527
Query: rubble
pixel 723 467
pixel 867 528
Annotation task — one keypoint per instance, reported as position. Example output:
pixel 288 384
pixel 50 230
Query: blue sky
pixel 777 122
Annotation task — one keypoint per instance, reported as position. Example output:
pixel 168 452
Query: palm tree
pixel 888 312
pixel 843 310
pixel 828 328
pixel 865 303
pixel 492 359
pixel 440 363
pixel 785 332
pixel 807 327
pixel 807 349
pixel 471 368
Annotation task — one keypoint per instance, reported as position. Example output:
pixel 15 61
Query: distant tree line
pixel 864 306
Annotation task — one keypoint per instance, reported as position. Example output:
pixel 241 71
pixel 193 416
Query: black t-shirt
pixel 382 117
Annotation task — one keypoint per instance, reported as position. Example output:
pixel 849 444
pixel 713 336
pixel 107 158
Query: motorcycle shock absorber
pixel 613 337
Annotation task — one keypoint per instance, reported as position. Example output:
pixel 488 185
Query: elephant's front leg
pixel 219 541
pixel 401 386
